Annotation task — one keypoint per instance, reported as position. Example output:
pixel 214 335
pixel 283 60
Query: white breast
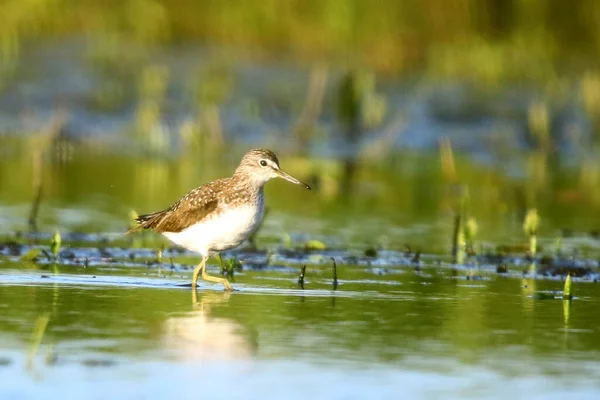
pixel 224 231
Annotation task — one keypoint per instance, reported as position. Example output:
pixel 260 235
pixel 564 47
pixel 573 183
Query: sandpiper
pixel 219 215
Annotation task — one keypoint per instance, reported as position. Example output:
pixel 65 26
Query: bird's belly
pixel 220 232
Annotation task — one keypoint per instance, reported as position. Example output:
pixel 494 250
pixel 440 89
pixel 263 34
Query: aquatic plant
pixel 486 42
pixel 416 260
pixel 590 97
pixel 371 252
pixel 152 86
pixel 358 103
pixel 530 226
pixel 567 291
pixel 458 234
pixel 159 254
pixel 229 266
pixel 232 266
pixel 349 100
pixel 287 241
pixel 305 127
pixel 37 184
pixel 32 254
pixel 470 230
pixel 539 124
pixel 211 87
pixel 335 278
pixel 314 245
pixel 301 277
pixel 40 143
pixel 558 245
pixel 447 160
pixel 55 244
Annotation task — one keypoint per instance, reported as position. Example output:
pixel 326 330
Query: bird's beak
pixel 290 178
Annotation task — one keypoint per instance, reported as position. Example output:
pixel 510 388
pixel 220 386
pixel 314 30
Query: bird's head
pixel 262 165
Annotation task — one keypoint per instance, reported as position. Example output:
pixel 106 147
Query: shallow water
pixel 136 332
pixel 122 325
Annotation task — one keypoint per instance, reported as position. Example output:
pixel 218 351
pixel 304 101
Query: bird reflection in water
pixel 198 336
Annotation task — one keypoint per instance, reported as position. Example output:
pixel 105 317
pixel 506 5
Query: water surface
pixel 135 332
pixel 122 324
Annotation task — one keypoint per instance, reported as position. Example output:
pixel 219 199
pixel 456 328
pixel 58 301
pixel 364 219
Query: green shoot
pixel 567 292
pixel 558 245
pixel 530 226
pixel 55 244
pixel 459 244
pixel 301 277
pixel 287 241
pixel 159 255
pixel 470 229
pixel 335 279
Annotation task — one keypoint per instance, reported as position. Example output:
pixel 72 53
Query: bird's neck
pixel 243 178
pixel 248 187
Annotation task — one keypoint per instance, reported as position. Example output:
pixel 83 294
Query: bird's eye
pixel 263 163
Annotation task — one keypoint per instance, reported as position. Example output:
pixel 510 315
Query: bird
pixel 219 215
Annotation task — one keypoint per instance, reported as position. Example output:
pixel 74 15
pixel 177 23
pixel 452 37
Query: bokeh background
pixel 389 108
pixel 428 129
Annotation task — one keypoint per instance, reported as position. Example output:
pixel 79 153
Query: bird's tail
pixel 147 221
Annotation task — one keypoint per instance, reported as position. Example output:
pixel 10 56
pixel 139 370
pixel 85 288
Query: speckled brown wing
pixel 190 209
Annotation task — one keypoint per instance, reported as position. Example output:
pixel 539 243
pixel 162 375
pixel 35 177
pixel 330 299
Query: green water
pixel 124 326
pixel 399 114
pixel 400 199
pixel 133 331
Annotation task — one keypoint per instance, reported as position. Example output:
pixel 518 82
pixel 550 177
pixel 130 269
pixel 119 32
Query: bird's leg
pixel 199 269
pixel 210 278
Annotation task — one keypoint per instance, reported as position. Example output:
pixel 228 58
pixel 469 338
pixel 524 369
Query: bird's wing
pixel 191 208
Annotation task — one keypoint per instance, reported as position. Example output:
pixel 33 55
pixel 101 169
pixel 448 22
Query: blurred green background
pixel 424 126
pixel 390 109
